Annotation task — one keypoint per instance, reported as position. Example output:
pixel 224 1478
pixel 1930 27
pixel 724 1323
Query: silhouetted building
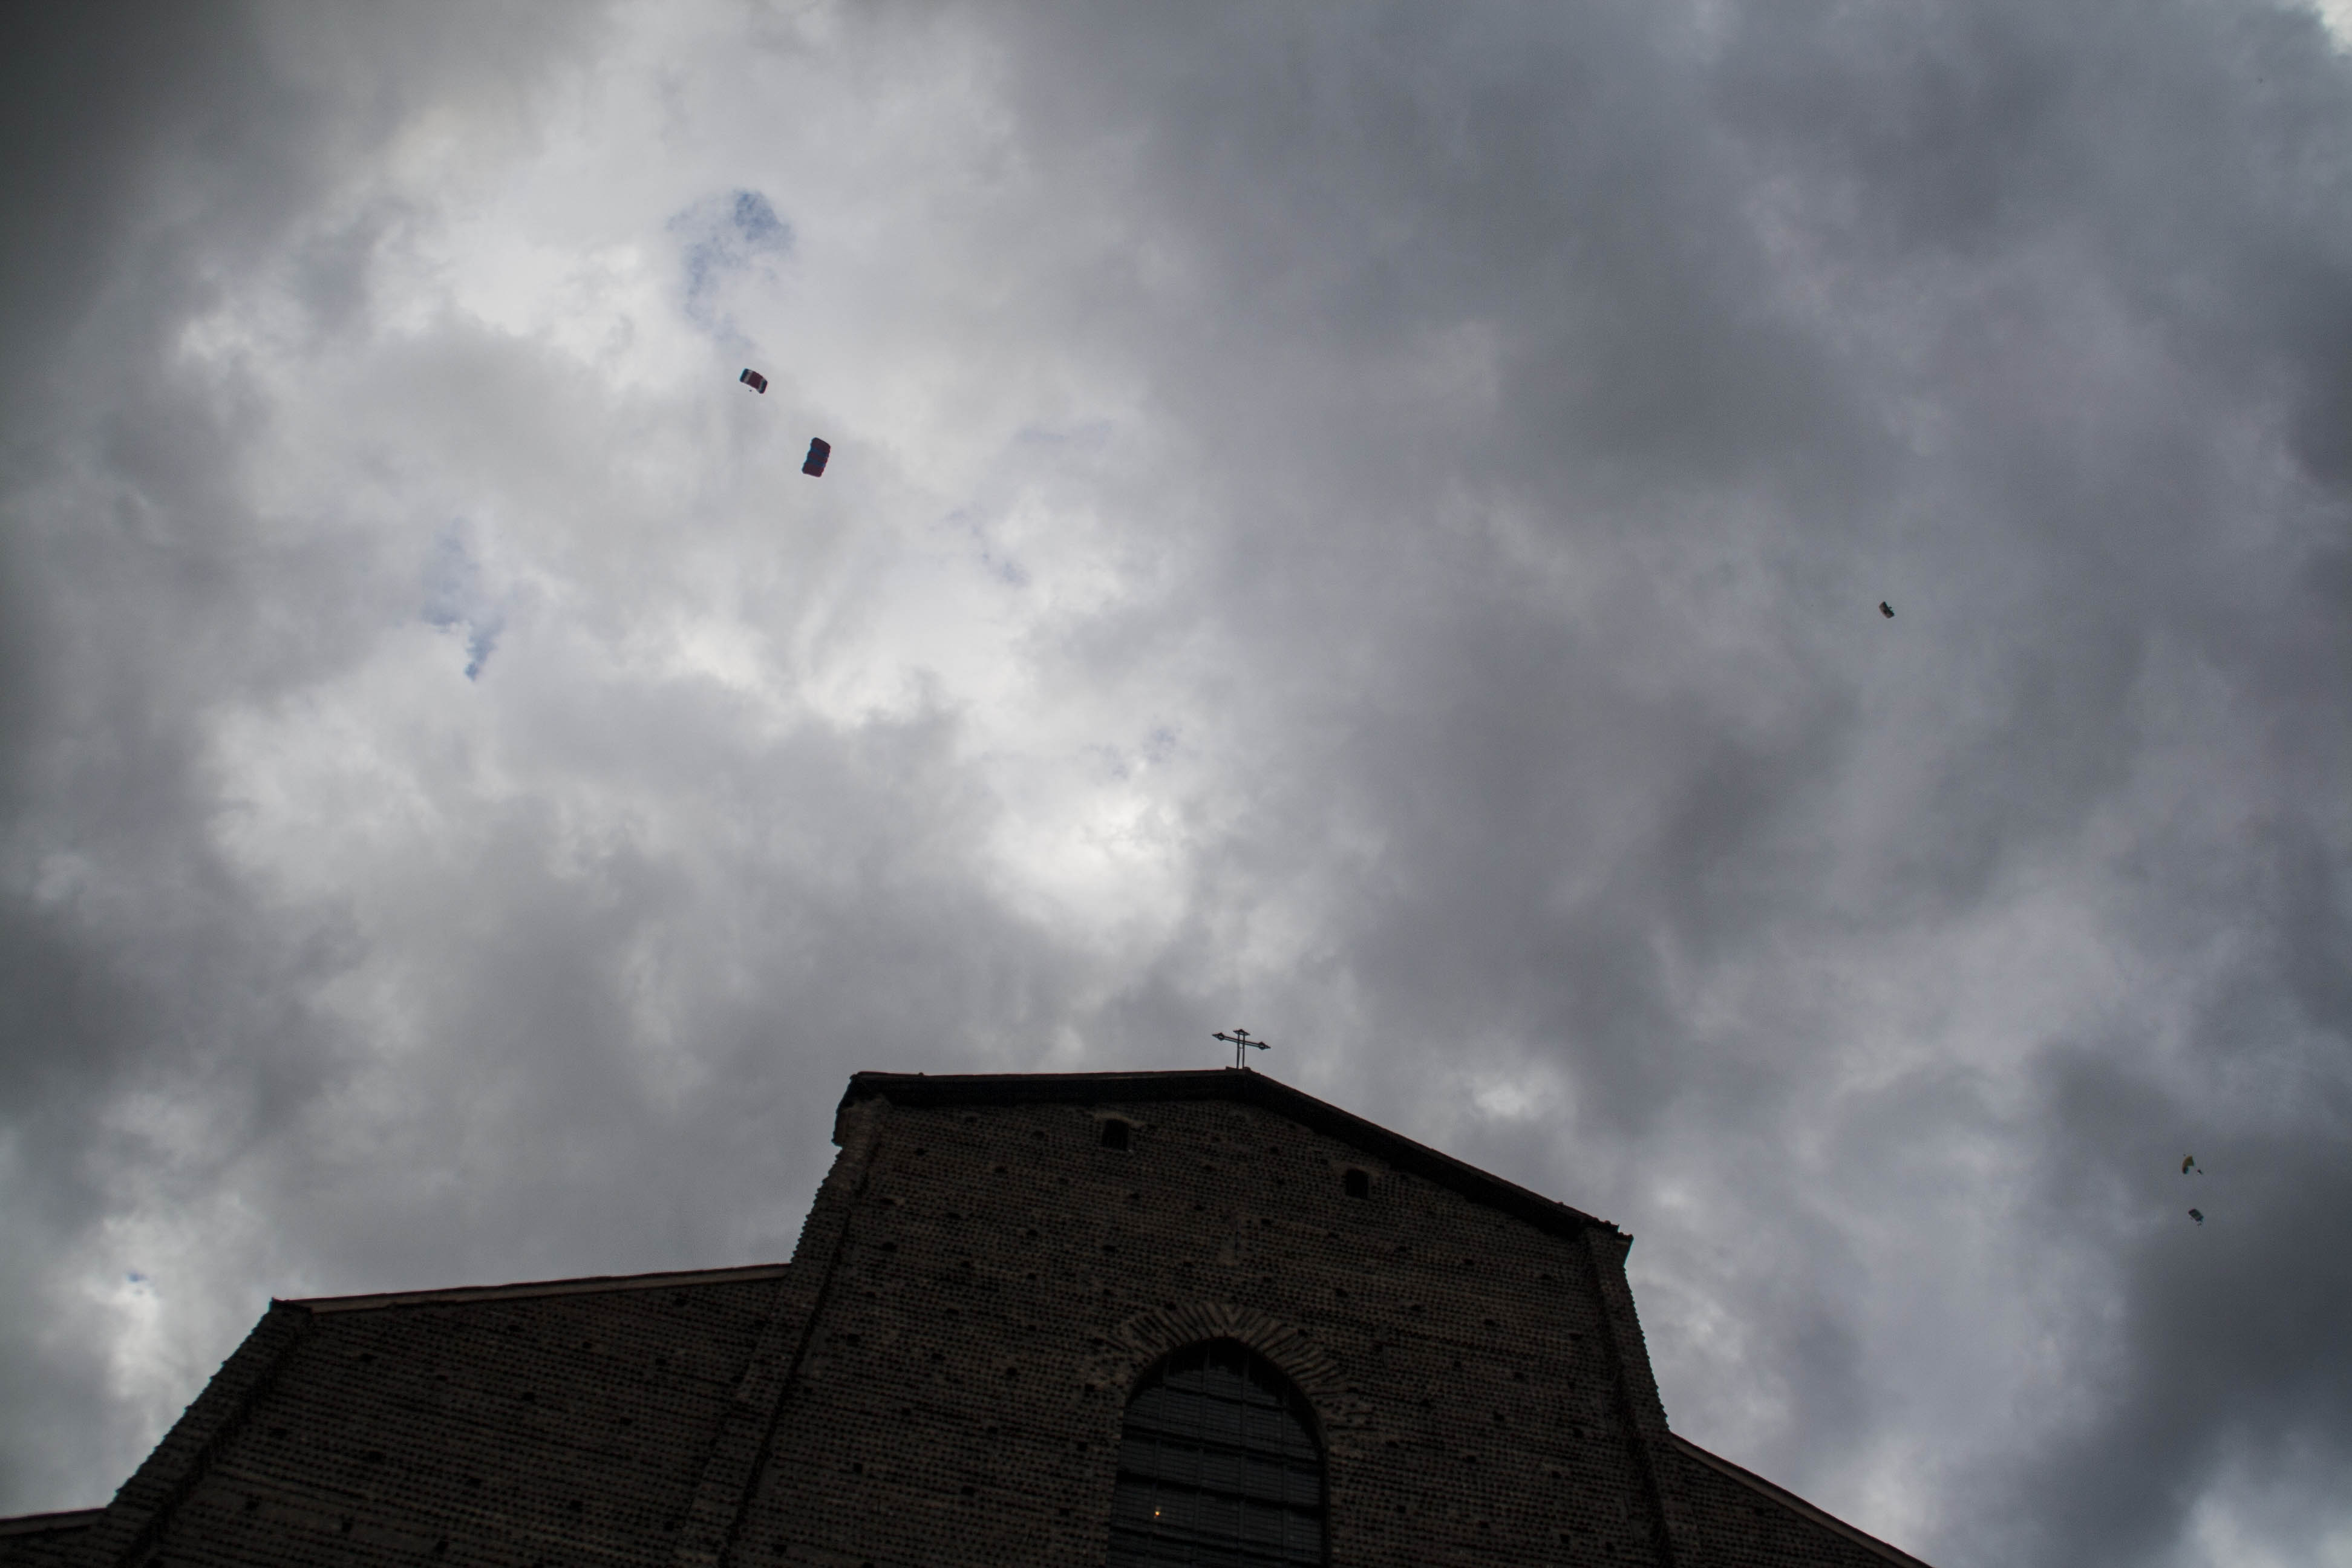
pixel 1124 1319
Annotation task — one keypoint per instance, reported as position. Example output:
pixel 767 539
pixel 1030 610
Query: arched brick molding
pixel 1142 1340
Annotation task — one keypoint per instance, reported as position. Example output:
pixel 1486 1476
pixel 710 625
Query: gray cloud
pixel 1363 524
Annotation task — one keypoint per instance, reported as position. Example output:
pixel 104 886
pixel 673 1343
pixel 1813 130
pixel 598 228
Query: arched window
pixel 1218 1467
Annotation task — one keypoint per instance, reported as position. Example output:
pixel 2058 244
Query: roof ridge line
pixel 1237 1084
pixel 587 1285
pixel 1795 1504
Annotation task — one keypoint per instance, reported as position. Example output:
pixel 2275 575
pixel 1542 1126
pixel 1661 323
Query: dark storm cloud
pixel 2030 316
pixel 90 114
pixel 206 1060
pixel 1499 426
pixel 150 150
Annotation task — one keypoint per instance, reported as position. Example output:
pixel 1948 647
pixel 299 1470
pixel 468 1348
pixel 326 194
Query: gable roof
pixel 1746 1519
pixel 45 1540
pixel 1241 1085
pixel 611 1420
pixel 588 1285
pixel 567 1420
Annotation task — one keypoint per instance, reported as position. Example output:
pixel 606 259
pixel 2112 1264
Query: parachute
pixel 819 448
pixel 2188 1162
pixel 2197 1214
pixel 1887 609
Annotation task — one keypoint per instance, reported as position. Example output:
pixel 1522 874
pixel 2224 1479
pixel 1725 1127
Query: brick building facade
pixel 1064 1319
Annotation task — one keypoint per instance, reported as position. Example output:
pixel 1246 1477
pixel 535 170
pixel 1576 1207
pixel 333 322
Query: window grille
pixel 1218 1467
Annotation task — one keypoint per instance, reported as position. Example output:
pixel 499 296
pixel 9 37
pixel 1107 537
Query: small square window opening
pixel 1114 1133
pixel 1357 1184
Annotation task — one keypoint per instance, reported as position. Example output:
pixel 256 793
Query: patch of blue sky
pixel 722 238
pixel 455 599
pixel 995 563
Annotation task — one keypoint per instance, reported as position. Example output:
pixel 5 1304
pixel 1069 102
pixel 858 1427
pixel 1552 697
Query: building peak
pixel 1240 1086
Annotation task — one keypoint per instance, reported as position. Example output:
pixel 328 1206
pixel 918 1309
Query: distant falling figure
pixel 755 381
pixel 1887 609
pixel 2197 1214
pixel 819 450
pixel 2188 1162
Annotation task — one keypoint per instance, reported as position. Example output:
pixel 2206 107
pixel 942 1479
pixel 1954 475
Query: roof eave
pixel 592 1285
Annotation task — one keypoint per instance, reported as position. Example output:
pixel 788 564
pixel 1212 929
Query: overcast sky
pixel 1364 523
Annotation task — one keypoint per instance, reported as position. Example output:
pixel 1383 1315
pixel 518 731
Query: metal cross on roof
pixel 1242 1043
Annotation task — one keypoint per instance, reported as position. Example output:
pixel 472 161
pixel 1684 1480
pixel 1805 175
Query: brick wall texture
pixel 940 1375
